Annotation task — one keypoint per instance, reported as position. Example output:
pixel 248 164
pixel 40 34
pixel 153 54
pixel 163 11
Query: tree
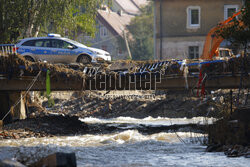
pixel 27 18
pixel 141 28
pixel 9 21
pixel 238 31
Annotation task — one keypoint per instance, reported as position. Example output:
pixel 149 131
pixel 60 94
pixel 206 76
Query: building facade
pixel 181 26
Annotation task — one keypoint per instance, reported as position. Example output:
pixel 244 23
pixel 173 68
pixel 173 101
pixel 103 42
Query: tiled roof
pixel 114 22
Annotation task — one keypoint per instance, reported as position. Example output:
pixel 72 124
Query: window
pixel 60 44
pixel 193 52
pixel 39 43
pixel 224 53
pixel 29 43
pixel 229 10
pixel 103 32
pixel 46 43
pixel 193 17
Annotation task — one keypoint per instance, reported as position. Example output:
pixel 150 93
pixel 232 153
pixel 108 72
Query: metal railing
pixel 6 49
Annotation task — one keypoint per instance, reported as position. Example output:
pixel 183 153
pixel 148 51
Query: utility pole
pixel 127 46
pixel 160 29
pixel 155 30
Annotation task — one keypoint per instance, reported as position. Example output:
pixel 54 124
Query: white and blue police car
pixel 56 49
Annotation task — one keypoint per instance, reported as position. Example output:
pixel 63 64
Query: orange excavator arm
pixel 213 42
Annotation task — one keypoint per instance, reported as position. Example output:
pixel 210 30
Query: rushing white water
pixel 123 149
pixel 150 121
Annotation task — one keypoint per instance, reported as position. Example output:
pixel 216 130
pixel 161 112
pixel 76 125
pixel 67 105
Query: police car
pixel 56 49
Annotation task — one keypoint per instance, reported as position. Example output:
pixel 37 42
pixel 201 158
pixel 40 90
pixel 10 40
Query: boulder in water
pixel 57 159
pixel 10 163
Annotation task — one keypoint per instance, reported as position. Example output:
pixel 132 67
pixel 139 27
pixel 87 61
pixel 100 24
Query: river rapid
pixel 127 148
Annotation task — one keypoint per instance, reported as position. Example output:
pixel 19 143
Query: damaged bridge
pixel 130 82
pixel 19 75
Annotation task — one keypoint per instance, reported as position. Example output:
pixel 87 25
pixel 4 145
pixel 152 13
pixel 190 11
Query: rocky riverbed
pixel 69 106
pixel 63 118
pixel 43 126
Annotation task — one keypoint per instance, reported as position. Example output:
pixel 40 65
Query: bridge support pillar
pixel 7 103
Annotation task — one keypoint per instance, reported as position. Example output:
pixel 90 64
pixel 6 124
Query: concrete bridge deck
pixel 178 82
pixel 16 74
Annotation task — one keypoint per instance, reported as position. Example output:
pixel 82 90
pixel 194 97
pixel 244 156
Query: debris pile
pixel 44 126
pixel 13 64
pixel 141 105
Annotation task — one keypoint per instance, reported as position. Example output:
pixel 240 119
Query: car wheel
pixel 84 59
pixel 29 58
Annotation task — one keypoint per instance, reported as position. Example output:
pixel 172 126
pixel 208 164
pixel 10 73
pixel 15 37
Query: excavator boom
pixel 213 41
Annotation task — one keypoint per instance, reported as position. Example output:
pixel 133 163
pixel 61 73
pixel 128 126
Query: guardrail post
pixel 7 49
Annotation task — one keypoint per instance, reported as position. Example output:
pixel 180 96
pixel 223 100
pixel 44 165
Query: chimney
pixel 120 12
pixel 104 8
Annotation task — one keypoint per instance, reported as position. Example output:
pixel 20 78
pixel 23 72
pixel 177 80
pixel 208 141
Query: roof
pixel 114 22
pixel 140 3
pixel 128 6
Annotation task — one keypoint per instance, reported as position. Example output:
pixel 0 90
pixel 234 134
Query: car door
pixel 61 51
pixel 45 50
pixel 40 51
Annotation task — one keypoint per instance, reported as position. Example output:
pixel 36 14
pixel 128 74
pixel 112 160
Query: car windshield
pixel 74 42
pixel 224 53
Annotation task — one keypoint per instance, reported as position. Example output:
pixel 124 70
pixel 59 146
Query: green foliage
pixel 27 18
pixel 238 32
pixel 142 41
pixel 80 16
pixel 9 24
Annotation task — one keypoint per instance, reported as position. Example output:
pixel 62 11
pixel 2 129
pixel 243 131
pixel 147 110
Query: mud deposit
pixel 139 104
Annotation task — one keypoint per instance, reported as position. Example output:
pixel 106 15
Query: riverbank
pixel 43 126
pixel 231 134
pixel 70 106
pixel 63 118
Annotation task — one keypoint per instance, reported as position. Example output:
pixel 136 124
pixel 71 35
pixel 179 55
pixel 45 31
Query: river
pixel 127 148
